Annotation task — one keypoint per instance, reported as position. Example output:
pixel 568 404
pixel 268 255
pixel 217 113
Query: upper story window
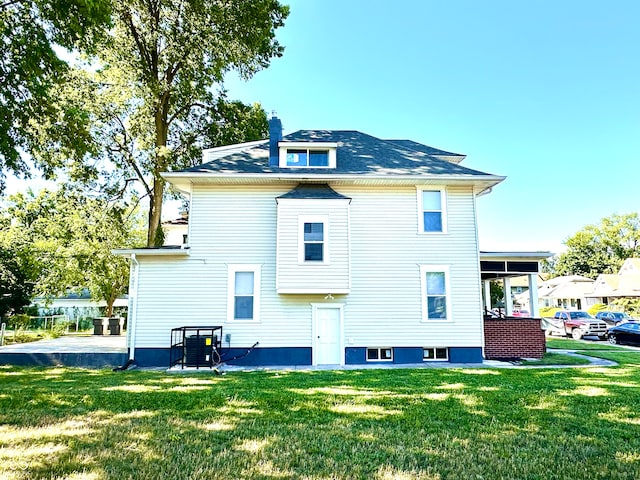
pixel 307 158
pixel 313 239
pixel 307 154
pixel 432 211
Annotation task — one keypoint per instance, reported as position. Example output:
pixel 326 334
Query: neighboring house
pixel 568 292
pixel 176 230
pixel 325 247
pixel 519 287
pixel 626 284
pixel 76 306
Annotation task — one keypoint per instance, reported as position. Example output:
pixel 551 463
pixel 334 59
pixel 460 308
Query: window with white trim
pixel 435 354
pixel 432 210
pixel 243 304
pixel 307 154
pixel 379 354
pixel 306 157
pixel 313 237
pixel 435 289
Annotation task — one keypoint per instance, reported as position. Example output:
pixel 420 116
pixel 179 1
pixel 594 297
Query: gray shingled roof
pixel 314 190
pixel 410 144
pixel 357 153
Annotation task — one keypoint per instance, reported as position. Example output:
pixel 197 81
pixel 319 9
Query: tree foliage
pixel 31 72
pixel 600 248
pixel 67 239
pixel 16 286
pixel 154 91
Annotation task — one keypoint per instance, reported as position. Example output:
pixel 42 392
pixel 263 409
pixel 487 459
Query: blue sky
pixel 546 93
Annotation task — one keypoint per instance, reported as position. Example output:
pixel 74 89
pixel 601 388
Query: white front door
pixel 328 334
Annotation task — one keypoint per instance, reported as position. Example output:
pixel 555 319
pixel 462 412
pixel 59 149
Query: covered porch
pixel 503 266
pixel 507 336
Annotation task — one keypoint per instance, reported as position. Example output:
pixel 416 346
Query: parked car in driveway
pixel 613 318
pixel 574 323
pixel 521 313
pixel 628 332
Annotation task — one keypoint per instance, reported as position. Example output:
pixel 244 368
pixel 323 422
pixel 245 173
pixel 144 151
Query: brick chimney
pixel 275 135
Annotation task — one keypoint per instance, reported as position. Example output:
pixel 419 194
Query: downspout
pixel 133 314
pixel 477 249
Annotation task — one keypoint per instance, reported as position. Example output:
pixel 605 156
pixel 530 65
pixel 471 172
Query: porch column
pixel 508 301
pixel 534 307
pixel 487 294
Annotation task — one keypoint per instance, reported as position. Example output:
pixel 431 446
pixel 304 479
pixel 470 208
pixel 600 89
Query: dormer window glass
pixel 307 154
pixel 307 158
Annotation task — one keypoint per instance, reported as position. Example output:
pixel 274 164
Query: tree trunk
pixel 110 301
pixel 154 233
pixel 154 236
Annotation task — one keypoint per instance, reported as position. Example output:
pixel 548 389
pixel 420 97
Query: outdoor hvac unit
pixel 198 350
pixel 197 347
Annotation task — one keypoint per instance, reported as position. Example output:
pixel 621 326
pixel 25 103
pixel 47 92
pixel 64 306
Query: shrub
pixel 59 330
pixel 595 308
pixel 19 321
pixel 549 311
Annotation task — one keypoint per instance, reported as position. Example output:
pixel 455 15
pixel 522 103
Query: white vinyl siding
pixel 194 290
pixel 294 274
pixel 385 304
pixel 374 250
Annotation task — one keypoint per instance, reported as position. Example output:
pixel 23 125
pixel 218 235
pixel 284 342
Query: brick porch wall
pixel 513 338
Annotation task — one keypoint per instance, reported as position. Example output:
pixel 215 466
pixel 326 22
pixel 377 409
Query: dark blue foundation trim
pixel 268 356
pixel 84 360
pixel 159 357
pixel 404 355
pixel 465 354
pixel 152 357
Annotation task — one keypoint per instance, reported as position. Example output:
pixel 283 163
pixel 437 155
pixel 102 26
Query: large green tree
pixel 600 248
pixel 66 238
pixel 16 285
pixel 31 72
pixel 155 90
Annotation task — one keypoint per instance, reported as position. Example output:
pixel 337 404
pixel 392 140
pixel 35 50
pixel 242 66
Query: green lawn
pixel 570 344
pixel 572 423
pixel 25 336
pixel 557 359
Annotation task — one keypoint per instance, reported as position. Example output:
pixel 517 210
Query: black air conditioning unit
pixel 196 346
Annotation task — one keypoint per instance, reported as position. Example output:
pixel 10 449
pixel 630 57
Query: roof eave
pixel 183 181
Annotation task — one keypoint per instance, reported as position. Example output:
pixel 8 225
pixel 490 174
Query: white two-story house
pixel 323 247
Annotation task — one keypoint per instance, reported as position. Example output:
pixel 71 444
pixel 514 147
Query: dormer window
pixel 307 154
pixel 307 158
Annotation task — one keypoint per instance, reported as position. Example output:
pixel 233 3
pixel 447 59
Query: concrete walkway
pixel 72 344
pixel 91 351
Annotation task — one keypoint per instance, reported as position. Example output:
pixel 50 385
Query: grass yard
pixel 12 337
pixel 570 344
pixel 556 359
pixel 572 423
